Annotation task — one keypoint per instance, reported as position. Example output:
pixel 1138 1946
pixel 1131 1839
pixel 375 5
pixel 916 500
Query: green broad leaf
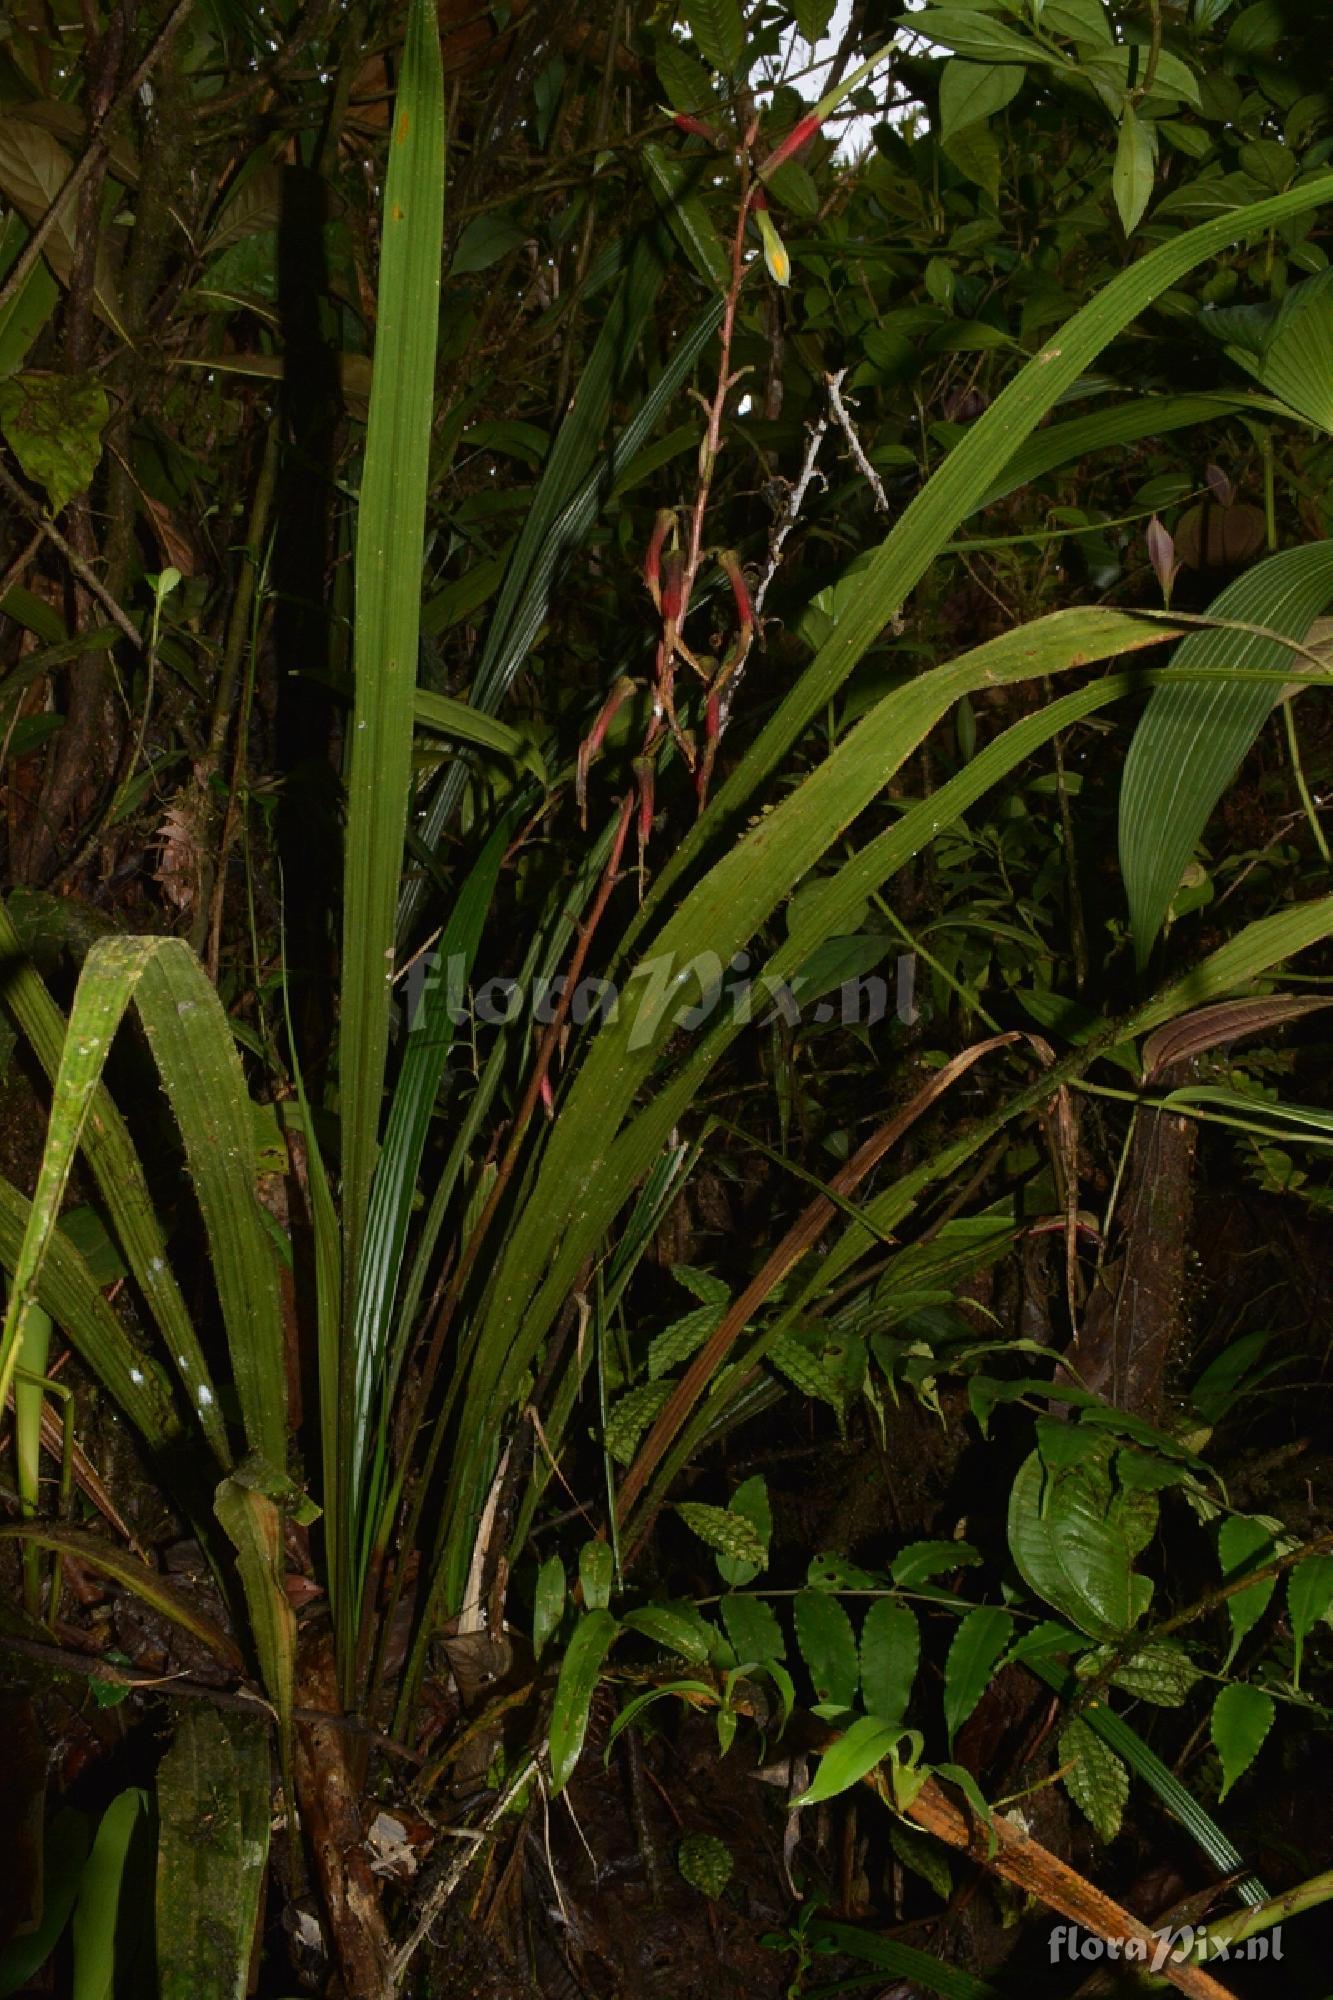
pixel 34 167
pixel 214 1813
pixel 890 1654
pixel 1241 1719
pixel 108 1913
pixel 1245 1542
pixel 671 180
pixel 978 36
pixel 129 1573
pixel 1135 168
pixel 1066 1550
pixel 752 1627
pixel 1077 21
pixel 580 1669
pixel 252 1521
pixel 719 30
pixel 678 1627
pixel 597 1568
pixel 688 83
pixel 1192 740
pixel 972 92
pixel 729 1533
pixel 1309 1595
pixel 53 424
pixel 862 1746
pixel 631 1414
pixel 548 1604
pixel 483 242
pixel 23 318
pixel 924 1855
pixel 920 1561
pixel 705 1862
pixel 1096 1780
pixel 977 1645
pixel 812 18
pixel 751 1501
pixel 390 537
pixel 828 1647
pixel 975 151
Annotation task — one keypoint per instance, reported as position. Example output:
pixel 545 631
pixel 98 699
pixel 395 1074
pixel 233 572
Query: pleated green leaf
pixel 109 1151
pixel 389 542
pixel 192 1045
pixel 1192 739
pixel 131 1574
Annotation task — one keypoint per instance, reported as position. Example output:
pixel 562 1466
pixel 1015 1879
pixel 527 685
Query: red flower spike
pixel 739 588
pixel 652 561
pixel 802 132
pixel 684 123
pixel 592 743
pixel 673 583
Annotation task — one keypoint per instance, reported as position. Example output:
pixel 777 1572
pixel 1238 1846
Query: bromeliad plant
pixel 442 1307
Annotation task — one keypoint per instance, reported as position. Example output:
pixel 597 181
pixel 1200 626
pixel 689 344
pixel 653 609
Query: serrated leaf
pixel 688 83
pixel 718 29
pixel 678 1627
pixel 1135 168
pixel 548 1604
pixel 924 1855
pixel 752 1627
pixel 730 1534
pixel 677 1342
pixel 597 1567
pixel 807 1372
pixel 53 424
pixel 630 1416
pixel 1309 1594
pixel 1242 1717
pixel 705 1862
pixel 1245 1542
pixel 580 1669
pixel 866 1743
pixel 890 1652
pixel 812 18
pixel 921 1560
pixel 828 1647
pixel 972 92
pixel 977 1645
pixel 1161 1673
pixel 751 1501
pixel 1096 1780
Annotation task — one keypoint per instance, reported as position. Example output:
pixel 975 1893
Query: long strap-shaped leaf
pixel 962 481
pixel 1192 738
pixel 110 1154
pixel 389 541
pixel 192 1044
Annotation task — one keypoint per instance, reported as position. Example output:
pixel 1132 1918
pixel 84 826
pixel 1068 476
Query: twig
pixel 84 571
pixel 791 514
pixel 848 428
pixel 99 142
pixel 453 1875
